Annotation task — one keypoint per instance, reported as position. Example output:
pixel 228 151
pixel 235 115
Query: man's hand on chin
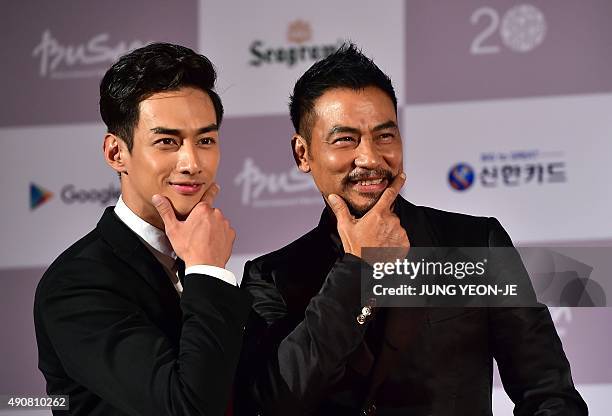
pixel 379 227
pixel 204 237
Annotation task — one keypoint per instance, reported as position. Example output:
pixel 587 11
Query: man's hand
pixel 205 237
pixel 379 227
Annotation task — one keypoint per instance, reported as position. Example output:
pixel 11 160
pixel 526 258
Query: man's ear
pixel 300 153
pixel 115 152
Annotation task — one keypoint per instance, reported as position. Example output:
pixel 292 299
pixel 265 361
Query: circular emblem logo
pixel 299 31
pixel 523 28
pixel 461 176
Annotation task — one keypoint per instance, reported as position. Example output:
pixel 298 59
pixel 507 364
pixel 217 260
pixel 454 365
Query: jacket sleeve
pixel 292 360
pixel 107 343
pixel 530 358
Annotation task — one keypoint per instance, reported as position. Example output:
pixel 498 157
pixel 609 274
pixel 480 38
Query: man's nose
pixel 188 160
pixel 368 155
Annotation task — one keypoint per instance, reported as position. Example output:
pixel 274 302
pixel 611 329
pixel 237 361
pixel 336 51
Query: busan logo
pixel 261 189
pixel 461 176
pixel 84 60
pixel 299 33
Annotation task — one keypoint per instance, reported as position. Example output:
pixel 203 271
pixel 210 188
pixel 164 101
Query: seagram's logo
pixel 300 49
pixel 299 31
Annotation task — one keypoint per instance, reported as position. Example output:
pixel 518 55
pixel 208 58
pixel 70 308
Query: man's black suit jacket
pixel 305 352
pixel 114 336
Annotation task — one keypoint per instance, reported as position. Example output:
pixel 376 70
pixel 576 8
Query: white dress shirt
pixel 157 242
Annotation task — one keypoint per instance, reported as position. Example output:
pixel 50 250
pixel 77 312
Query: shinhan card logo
pixel 38 196
pixel 532 167
pixel 461 176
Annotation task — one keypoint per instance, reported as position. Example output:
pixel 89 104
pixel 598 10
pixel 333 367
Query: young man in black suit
pixel 140 317
pixel 312 347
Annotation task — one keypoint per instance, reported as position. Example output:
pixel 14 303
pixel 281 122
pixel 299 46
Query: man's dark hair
pixel 348 67
pixel 143 72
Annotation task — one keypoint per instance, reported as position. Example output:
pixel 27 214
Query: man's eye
pixel 207 141
pixel 386 136
pixel 345 139
pixel 167 141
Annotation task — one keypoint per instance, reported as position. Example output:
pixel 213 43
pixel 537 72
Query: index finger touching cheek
pixel 388 197
pixel 210 194
pixel 164 209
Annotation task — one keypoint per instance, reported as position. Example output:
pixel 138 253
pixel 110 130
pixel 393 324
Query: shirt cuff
pixel 214 271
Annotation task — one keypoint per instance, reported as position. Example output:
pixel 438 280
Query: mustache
pixel 365 174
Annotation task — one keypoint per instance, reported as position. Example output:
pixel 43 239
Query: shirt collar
pixel 153 238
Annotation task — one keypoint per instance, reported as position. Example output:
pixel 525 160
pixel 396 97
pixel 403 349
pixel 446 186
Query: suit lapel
pixel 416 223
pixel 401 325
pixel 127 246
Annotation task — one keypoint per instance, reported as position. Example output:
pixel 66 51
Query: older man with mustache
pixel 314 348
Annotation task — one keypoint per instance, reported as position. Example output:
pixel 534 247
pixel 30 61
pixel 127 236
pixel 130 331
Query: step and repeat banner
pixel 504 108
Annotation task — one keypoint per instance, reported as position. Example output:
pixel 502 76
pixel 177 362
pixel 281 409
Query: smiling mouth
pixel 370 185
pixel 186 188
pixel 370 182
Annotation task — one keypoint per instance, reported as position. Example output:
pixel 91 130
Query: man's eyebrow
pixel 208 129
pixel 342 129
pixel 177 132
pixel 346 129
pixel 384 126
pixel 165 130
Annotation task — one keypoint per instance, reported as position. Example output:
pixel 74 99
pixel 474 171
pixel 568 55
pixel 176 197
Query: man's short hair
pixel 348 67
pixel 143 72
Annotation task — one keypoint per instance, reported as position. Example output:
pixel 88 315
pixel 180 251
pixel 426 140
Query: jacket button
pixel 369 410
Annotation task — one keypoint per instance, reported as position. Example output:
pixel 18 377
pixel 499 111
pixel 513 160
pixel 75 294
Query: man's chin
pixel 359 208
pixel 182 209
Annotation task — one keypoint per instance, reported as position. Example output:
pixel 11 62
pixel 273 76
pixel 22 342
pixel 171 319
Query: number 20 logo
pixel 521 29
